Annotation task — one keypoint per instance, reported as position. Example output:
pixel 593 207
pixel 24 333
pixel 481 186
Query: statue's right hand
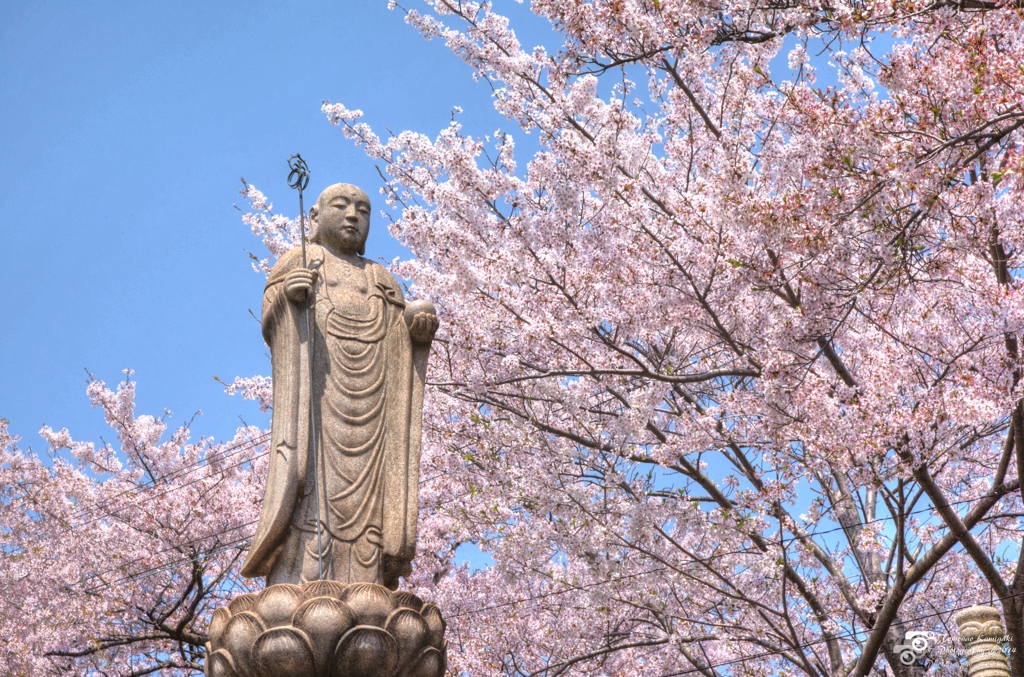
pixel 298 283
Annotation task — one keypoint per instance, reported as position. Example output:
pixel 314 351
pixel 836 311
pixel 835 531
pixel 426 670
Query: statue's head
pixel 340 219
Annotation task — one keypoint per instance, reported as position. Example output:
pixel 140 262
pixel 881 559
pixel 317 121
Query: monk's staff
pixel 299 179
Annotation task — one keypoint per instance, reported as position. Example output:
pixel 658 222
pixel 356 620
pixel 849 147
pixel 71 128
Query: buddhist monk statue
pixel 369 357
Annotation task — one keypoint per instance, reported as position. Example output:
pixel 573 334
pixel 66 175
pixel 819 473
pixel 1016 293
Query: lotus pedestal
pixel 327 629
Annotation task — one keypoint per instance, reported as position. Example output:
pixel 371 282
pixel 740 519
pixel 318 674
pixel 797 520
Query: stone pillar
pixel 981 633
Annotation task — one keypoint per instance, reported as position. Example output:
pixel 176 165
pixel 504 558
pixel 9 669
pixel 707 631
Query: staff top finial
pixel 299 176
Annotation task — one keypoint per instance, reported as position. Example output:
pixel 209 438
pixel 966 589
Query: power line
pixel 168 490
pixel 146 574
pixel 187 468
pixel 907 514
pixel 261 438
pixel 162 567
pixel 178 562
pixel 577 588
pixel 242 542
pixel 849 635
pixel 702 560
pixel 184 470
pixel 182 545
pixel 264 436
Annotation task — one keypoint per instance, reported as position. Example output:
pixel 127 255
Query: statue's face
pixel 342 218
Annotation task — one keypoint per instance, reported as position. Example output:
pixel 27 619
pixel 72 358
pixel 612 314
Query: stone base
pixel 327 629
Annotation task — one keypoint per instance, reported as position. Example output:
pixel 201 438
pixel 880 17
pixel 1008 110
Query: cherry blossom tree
pixel 728 379
pixel 114 556
pixel 729 374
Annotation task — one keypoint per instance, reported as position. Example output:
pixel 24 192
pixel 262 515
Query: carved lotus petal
pixel 239 635
pixel 286 630
pixel 430 663
pixel 410 631
pixel 219 664
pixel 324 620
pixel 365 651
pixel 220 621
pixel 435 622
pixel 407 600
pixel 370 602
pixel 242 603
pixel 323 589
pixel 283 652
pixel 278 603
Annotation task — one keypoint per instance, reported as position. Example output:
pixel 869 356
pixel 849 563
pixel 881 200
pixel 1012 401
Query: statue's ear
pixel 313 229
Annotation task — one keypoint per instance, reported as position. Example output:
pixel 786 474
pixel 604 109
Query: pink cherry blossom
pixel 711 357
pixel 114 566
pixel 728 379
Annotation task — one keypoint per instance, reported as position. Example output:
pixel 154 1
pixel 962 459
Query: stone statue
pixel 349 359
pixel 369 362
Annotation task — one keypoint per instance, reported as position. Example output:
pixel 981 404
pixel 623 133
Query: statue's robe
pixel 367 397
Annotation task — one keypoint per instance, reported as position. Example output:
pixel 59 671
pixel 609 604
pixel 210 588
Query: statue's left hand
pixel 421 318
pixel 423 327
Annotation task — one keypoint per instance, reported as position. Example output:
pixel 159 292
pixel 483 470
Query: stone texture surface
pixel 981 633
pixel 318 630
pixel 363 382
pixel 369 362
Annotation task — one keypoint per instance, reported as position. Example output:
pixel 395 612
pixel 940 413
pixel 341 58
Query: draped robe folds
pixel 367 395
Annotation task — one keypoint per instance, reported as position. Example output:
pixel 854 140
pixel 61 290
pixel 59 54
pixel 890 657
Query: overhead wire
pixel 848 635
pixel 198 465
pixel 161 567
pixel 854 634
pixel 705 560
pixel 711 558
pixel 147 572
pixel 167 490
pixel 170 565
pixel 184 470
pixel 150 572
pixel 226 453
pixel 244 541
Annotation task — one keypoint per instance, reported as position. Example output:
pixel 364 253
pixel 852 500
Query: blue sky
pixel 125 129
